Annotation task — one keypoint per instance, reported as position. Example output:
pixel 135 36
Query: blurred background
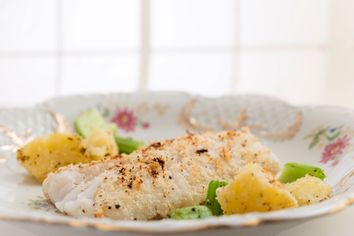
pixel 299 50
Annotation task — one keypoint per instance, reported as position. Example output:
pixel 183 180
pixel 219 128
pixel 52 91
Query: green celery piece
pixel 91 119
pixel 127 145
pixel 293 171
pixel 190 213
pixel 211 200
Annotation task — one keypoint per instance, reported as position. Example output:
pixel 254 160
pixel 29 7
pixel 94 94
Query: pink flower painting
pixel 145 125
pixel 332 151
pixel 333 141
pixel 125 119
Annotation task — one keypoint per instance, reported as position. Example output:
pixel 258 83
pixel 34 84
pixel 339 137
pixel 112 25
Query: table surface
pixel 340 224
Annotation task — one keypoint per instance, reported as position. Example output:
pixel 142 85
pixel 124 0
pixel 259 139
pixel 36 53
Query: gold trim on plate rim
pixel 191 123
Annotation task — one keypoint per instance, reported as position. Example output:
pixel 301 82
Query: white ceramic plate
pixel 321 136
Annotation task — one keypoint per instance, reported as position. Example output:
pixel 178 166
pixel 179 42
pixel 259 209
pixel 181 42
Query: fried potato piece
pixel 254 189
pixel 309 190
pixel 44 155
pixel 100 144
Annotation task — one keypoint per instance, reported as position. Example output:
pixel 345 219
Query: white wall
pixel 340 84
pixel 299 50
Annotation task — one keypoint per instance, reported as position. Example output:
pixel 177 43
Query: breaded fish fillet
pixel 152 181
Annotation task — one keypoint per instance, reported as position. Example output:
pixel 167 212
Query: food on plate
pixel 254 189
pixel 212 206
pixel 309 190
pixel 97 173
pixel 293 171
pixel 211 200
pixel 190 213
pixel 155 180
pixel 44 155
pixel 127 145
pixel 91 119
pixel 98 140
pixel 47 154
pixel 100 143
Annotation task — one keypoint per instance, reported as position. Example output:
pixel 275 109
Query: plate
pixel 319 135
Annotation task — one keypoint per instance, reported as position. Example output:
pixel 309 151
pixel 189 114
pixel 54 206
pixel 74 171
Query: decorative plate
pixel 321 136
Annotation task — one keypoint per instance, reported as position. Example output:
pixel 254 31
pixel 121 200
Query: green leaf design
pixel 333 137
pixel 106 112
pixel 316 138
pixel 314 141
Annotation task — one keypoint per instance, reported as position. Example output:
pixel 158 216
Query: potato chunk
pixel 308 190
pixel 252 190
pixel 100 144
pixel 44 155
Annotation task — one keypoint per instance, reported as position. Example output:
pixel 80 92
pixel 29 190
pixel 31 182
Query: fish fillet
pixel 152 181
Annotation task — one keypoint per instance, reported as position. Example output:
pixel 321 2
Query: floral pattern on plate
pixel 333 141
pixel 124 117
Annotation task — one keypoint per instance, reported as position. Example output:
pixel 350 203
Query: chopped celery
pixel 127 145
pixel 190 213
pixel 91 119
pixel 294 171
pixel 211 200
